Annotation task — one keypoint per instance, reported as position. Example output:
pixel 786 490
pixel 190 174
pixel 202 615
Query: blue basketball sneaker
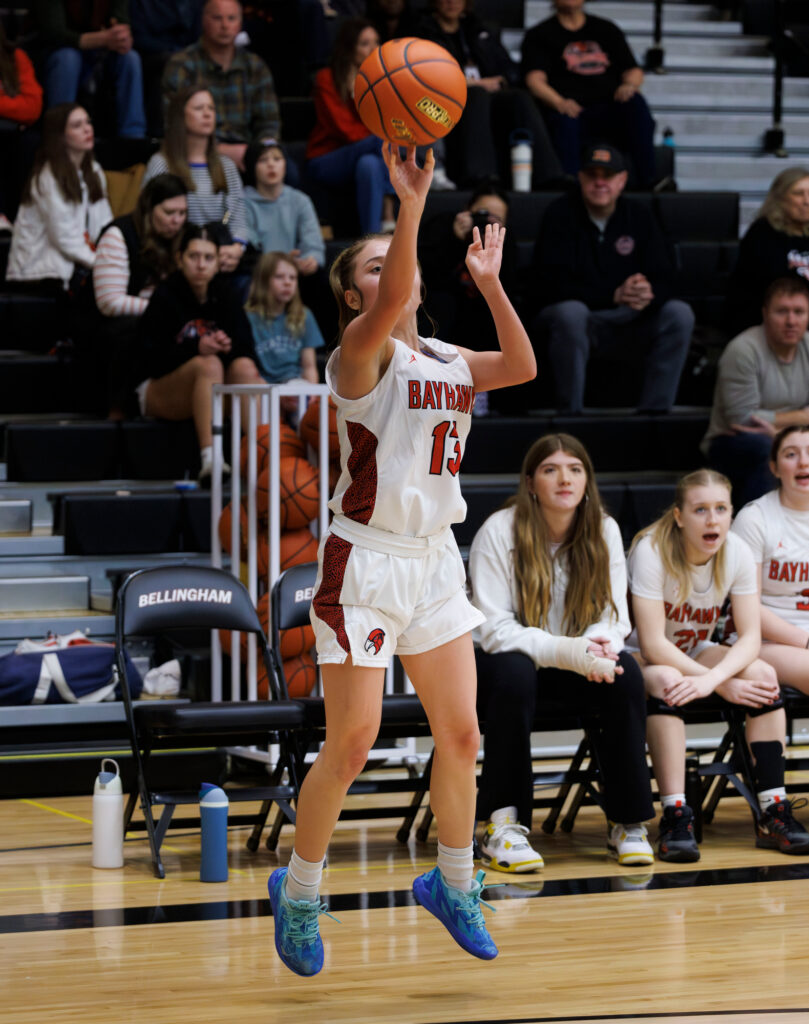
pixel 458 911
pixel 297 937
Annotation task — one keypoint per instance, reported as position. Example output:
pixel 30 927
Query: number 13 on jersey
pixel 437 457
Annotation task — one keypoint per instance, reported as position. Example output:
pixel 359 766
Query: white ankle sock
pixel 303 878
pixel 768 797
pixel 672 800
pixel 457 866
pixel 206 454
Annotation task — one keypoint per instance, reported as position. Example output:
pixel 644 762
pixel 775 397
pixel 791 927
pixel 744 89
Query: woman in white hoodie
pixel 548 572
pixel 64 204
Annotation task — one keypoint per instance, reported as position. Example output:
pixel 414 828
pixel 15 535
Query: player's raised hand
pixel 410 182
pixel 484 256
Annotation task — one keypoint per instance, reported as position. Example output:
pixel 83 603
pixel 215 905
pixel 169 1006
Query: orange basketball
pixel 290 444
pixel 299 493
pixel 410 91
pixel 301 675
pixel 296 641
pixel 225 525
pixel 310 427
pixel 297 547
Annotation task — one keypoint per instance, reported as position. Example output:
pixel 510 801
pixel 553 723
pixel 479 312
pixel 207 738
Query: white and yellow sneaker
pixel 628 844
pixel 504 846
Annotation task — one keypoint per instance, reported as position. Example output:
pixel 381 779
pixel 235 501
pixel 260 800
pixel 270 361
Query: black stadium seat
pixel 699 216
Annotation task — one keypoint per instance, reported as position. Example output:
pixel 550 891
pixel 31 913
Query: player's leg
pixel 765 731
pixel 791 664
pixel 353 704
pixel 665 736
pixel 444 678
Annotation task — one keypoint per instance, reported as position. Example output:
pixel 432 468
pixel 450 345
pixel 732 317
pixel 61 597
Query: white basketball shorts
pixel 372 603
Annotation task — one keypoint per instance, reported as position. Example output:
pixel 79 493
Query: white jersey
pixel 690 623
pixel 779 540
pixel 401 444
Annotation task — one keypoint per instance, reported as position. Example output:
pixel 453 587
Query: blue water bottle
pixel 213 812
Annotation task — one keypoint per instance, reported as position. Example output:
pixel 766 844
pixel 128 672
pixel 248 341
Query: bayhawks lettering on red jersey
pixel 438 394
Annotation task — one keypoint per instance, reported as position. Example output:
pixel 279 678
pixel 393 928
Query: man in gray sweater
pixel 762 385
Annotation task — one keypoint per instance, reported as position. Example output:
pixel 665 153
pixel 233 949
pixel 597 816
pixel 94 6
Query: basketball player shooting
pixel 390 576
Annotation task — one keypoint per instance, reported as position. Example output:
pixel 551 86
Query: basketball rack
pixel 249 406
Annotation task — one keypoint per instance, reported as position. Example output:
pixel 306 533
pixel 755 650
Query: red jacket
pixel 26 106
pixel 338 122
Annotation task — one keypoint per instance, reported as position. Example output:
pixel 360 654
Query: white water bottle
pixel 108 818
pixel 522 154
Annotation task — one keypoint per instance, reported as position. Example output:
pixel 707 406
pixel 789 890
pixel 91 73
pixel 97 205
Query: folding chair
pixel 402 714
pixel 181 596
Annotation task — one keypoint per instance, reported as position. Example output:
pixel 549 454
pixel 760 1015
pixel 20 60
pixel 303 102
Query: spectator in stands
pixel 548 572
pixel 193 334
pixel 681 570
pixel 583 74
pixel 604 277
pixel 214 186
pixel 775 244
pixel 341 149
pixel 159 29
pixel 63 207
pixel 135 252
pixel 762 385
pixel 479 146
pixel 283 219
pixel 240 82
pixel 393 19
pixel 80 41
pixel 776 529
pixel 20 107
pixel 451 296
pixel 285 334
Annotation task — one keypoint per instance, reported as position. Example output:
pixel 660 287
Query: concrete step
pixel 44 593
pixel 36 626
pixel 15 517
pixel 93 567
pixel 693 89
pixel 738 173
pixel 730 131
pixel 40 544
pixel 536 10
pixel 723 46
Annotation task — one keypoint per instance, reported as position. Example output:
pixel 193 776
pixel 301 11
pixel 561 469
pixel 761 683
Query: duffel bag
pixel 82 674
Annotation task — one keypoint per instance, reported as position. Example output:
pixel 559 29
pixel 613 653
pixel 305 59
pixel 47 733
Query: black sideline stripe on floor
pixel 222 910
pixel 634 1016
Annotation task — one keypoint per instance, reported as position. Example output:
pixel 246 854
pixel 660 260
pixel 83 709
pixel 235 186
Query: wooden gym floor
pixel 724 940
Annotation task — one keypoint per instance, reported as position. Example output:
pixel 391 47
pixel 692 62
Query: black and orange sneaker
pixel 675 841
pixel 777 829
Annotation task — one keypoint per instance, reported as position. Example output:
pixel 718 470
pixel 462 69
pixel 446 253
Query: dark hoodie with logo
pixel 574 259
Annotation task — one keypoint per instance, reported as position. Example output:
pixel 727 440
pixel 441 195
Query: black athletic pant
pixel 509 688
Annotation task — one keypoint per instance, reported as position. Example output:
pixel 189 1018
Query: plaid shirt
pixel 246 104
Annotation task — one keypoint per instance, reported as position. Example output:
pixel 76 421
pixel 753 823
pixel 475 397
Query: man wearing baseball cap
pixel 604 276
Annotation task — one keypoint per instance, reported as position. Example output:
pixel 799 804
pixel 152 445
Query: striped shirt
pixel 111 278
pixel 244 94
pixel 205 205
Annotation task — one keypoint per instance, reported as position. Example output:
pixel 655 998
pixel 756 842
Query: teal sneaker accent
pixel 458 911
pixel 297 936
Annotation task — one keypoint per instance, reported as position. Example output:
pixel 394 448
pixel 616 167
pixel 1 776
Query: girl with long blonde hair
pixel 681 570
pixel 549 574
pixel 390 577
pixel 285 333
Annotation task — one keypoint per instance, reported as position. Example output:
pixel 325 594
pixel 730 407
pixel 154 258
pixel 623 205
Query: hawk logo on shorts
pixel 374 641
